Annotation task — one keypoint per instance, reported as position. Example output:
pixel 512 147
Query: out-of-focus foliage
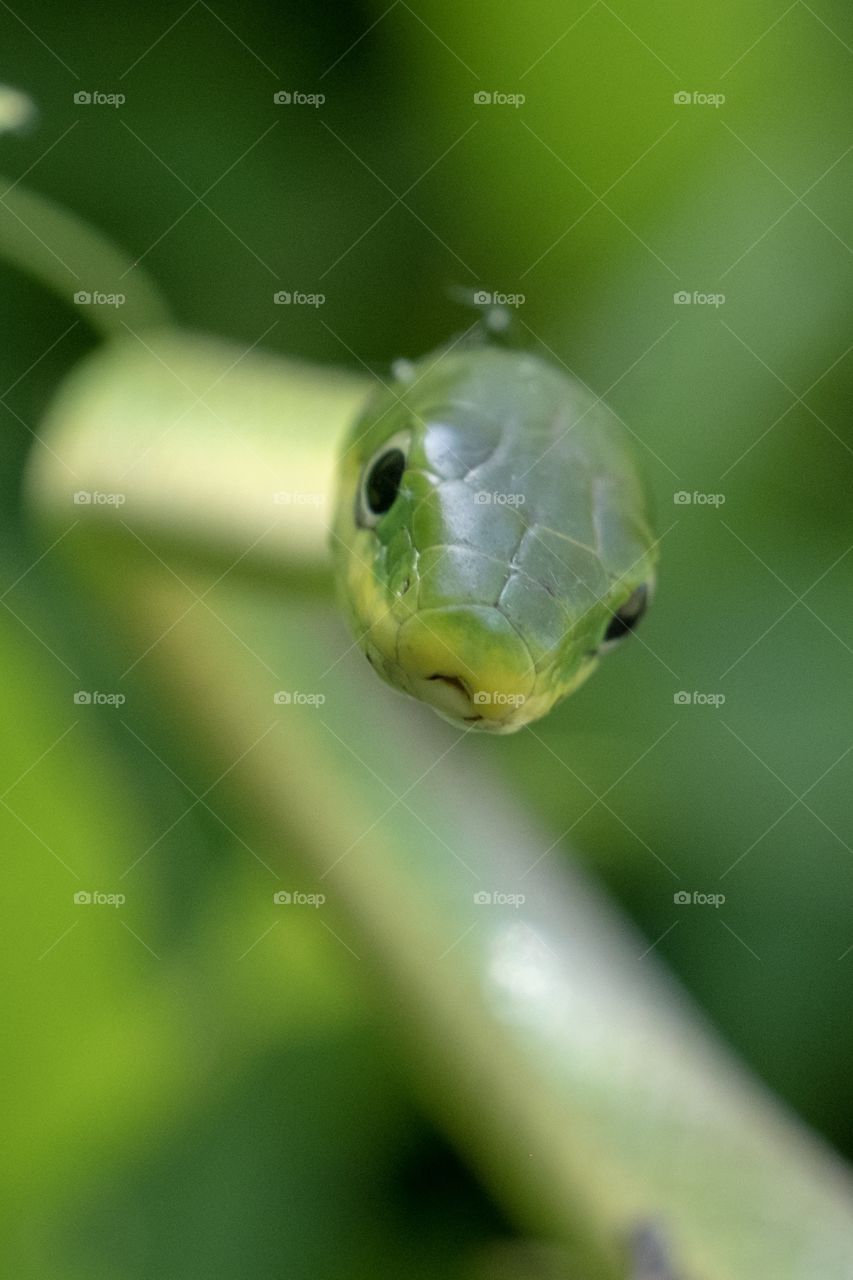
pixel 145 1060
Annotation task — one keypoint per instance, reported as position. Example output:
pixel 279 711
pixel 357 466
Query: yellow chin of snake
pixel 465 661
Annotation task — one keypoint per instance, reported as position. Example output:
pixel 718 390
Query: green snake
pixel 491 535
pixel 491 542
pixel 558 1035
pixel 491 538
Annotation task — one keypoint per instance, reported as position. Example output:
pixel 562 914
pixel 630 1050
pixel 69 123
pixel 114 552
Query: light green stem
pixel 560 1056
pixel 72 259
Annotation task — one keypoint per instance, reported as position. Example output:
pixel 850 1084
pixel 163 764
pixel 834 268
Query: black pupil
pixel 626 618
pixel 383 482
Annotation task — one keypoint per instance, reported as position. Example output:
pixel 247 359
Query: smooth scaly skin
pixel 519 529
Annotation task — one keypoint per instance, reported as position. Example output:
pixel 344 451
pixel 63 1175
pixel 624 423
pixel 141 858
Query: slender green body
pixel 516 536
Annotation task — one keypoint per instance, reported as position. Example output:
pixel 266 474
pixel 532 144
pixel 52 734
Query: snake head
pixel 490 540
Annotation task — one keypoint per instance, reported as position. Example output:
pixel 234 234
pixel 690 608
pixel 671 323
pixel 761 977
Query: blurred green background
pixel 144 1065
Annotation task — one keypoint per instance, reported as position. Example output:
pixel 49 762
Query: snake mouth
pixel 453 682
pixel 451 695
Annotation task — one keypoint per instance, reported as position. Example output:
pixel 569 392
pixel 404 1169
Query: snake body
pixel 491 539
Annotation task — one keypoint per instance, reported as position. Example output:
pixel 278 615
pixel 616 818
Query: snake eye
pixel 380 481
pixel 626 617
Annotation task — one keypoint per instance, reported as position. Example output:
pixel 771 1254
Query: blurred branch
pixel 237 467
pixel 549 1042
pixel 74 260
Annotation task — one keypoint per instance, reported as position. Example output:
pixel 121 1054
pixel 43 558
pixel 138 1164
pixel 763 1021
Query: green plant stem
pixel 549 1042
pixel 71 258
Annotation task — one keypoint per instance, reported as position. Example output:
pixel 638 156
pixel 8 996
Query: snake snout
pixel 468 663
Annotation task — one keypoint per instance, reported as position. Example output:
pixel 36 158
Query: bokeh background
pixel 146 1072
